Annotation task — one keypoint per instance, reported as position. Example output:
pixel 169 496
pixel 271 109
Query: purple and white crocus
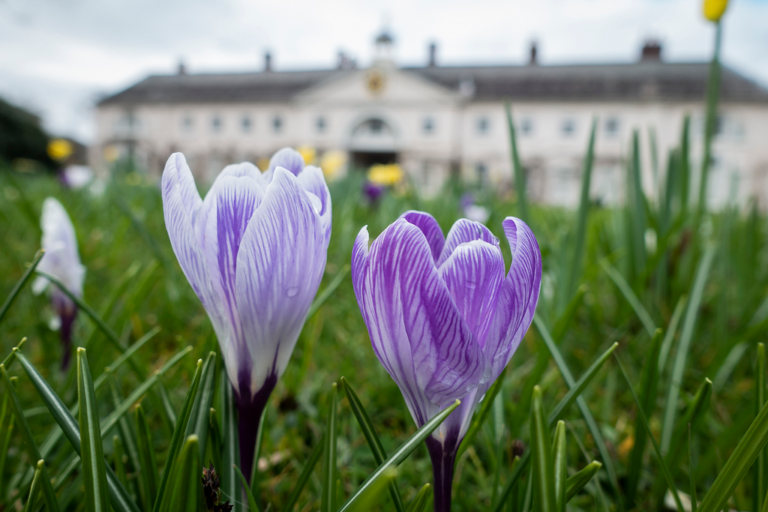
pixel 62 261
pixel 443 319
pixel 254 251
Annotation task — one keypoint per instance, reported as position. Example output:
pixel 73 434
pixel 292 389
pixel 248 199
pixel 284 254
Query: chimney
pixel 267 61
pixel 432 55
pixel 532 61
pixel 182 68
pixel 651 51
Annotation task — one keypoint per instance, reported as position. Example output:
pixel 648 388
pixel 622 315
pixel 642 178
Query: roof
pixel 641 81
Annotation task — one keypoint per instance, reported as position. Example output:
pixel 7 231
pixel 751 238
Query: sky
pixel 58 57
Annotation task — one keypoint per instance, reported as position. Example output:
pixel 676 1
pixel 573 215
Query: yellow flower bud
pixel 59 149
pixel 714 9
pixel 386 175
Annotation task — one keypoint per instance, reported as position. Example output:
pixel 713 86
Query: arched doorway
pixel 373 141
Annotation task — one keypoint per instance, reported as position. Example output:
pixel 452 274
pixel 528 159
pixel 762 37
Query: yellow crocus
pixel 332 162
pixel 59 149
pixel 387 175
pixel 308 153
pixel 714 9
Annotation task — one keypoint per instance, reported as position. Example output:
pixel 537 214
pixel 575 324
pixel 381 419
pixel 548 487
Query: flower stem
pixel 443 457
pixel 250 408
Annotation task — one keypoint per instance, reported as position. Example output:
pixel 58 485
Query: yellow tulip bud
pixel 59 149
pixel 714 9
pixel 386 175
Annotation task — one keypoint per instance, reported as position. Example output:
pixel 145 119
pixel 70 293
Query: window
pixel 526 126
pixel 187 123
pixel 277 124
pixel 481 172
pixel 245 124
pixel 376 126
pixel 483 125
pixel 216 124
pixel 320 124
pixel 568 127
pixel 429 126
pixel 612 126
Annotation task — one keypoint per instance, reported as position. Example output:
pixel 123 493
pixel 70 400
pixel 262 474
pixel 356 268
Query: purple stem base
pixel 443 457
pixel 65 332
pixel 249 411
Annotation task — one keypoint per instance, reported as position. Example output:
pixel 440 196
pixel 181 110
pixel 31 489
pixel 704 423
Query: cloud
pixel 57 57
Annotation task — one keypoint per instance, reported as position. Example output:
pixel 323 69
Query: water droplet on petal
pixel 292 291
pixel 471 285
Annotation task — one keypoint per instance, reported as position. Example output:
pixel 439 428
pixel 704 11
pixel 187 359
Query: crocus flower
pixel 373 191
pixel 254 252
pixel 443 319
pixel 62 261
pixel 472 211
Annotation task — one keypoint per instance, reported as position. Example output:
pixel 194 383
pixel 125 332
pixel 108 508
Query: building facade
pixel 436 121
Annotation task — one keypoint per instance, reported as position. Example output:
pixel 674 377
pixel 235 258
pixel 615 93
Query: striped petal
pixel 518 296
pixel 312 180
pixel 473 275
pixel 463 231
pixel 287 158
pixel 61 258
pixel 416 330
pixel 431 229
pixel 279 267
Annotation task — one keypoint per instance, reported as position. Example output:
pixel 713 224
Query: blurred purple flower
pixel 76 176
pixel 62 261
pixel 443 319
pixel 472 211
pixel 373 191
pixel 254 251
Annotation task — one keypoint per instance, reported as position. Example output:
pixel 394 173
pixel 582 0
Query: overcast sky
pixel 57 57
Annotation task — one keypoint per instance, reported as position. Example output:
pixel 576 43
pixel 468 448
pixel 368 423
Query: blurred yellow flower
pixel 308 153
pixel 59 149
pixel 332 162
pixel 111 153
pixel 714 9
pixel 389 174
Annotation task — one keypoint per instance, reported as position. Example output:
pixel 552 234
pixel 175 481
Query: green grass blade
pixel 564 403
pixel 759 489
pixel 734 470
pixel 657 450
pixel 682 351
pixel 301 482
pixel 35 489
pixel 576 483
pixel 634 301
pixel 186 492
pixel 329 455
pixel 118 495
pixel 713 94
pixel 692 474
pixel 163 500
pixel 328 291
pixel 372 495
pixel 140 391
pixel 198 417
pixel 20 284
pixel 592 425
pixel 117 458
pixel 6 430
pixel 29 441
pixel 217 446
pixel 648 390
pixel 637 208
pixel 148 468
pixel 230 485
pixel 517 166
pixel 374 443
pixel 479 419
pixel 685 165
pixel 669 337
pixel 252 505
pixel 9 358
pixel 92 451
pixel 396 458
pixel 559 458
pixel 582 216
pixel 419 502
pixel 543 467
pixel 256 454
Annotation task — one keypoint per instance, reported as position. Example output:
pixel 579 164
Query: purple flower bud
pixel 254 251
pixel 62 261
pixel 373 191
pixel 443 319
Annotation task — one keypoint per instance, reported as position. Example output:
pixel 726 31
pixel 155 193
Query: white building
pixel 437 120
